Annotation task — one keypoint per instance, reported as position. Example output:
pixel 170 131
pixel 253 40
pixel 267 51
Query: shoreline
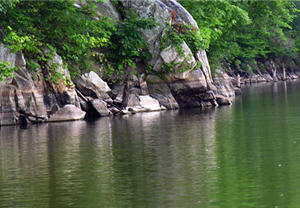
pixel 244 84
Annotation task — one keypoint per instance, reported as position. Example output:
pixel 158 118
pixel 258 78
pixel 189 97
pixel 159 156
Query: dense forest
pixel 238 35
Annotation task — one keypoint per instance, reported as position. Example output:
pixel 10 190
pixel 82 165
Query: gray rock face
pixel 159 90
pixel 91 85
pixel 181 12
pixel 8 109
pixel 18 94
pixel 202 57
pixel 101 107
pixel 106 8
pixel 170 55
pixel 67 113
pixel 223 84
pixel 151 9
pixel 186 87
pixel 24 99
pixel 149 103
pixel 97 81
pixel 222 100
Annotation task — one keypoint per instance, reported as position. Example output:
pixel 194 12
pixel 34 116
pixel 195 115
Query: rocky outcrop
pixel 224 90
pixel 191 88
pixel 91 85
pixel 160 90
pixel 272 71
pixel 27 97
pixel 36 97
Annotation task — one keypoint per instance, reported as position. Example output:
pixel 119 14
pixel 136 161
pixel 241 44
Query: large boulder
pixel 101 107
pixel 223 84
pixel 91 85
pixel 67 113
pixel 151 9
pixel 149 103
pixel 170 55
pixel 160 90
pixel 104 8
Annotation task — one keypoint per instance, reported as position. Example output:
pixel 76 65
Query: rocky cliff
pixel 33 97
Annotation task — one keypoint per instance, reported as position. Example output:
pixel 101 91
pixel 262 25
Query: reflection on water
pixel 245 155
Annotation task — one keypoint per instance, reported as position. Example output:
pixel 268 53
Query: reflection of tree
pixel 253 151
pixel 164 159
pixel 245 155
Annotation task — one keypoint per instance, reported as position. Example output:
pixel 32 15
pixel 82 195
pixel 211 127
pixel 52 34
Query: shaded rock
pixel 132 100
pixel 207 96
pixel 67 113
pixel 143 85
pixel 91 85
pixel 222 100
pixel 223 84
pixel 267 77
pixel 54 109
pixel 188 92
pixel 19 94
pixel 255 78
pixel 117 94
pixel 237 91
pixel 63 89
pixel 114 110
pixel 205 67
pixel 101 107
pixel 205 104
pixel 159 90
pixel 151 9
pixel 171 55
pixel 106 8
pixel 9 114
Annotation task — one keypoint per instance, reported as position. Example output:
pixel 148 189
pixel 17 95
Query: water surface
pixel 245 155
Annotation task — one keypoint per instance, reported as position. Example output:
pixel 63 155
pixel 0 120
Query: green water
pixel 246 155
